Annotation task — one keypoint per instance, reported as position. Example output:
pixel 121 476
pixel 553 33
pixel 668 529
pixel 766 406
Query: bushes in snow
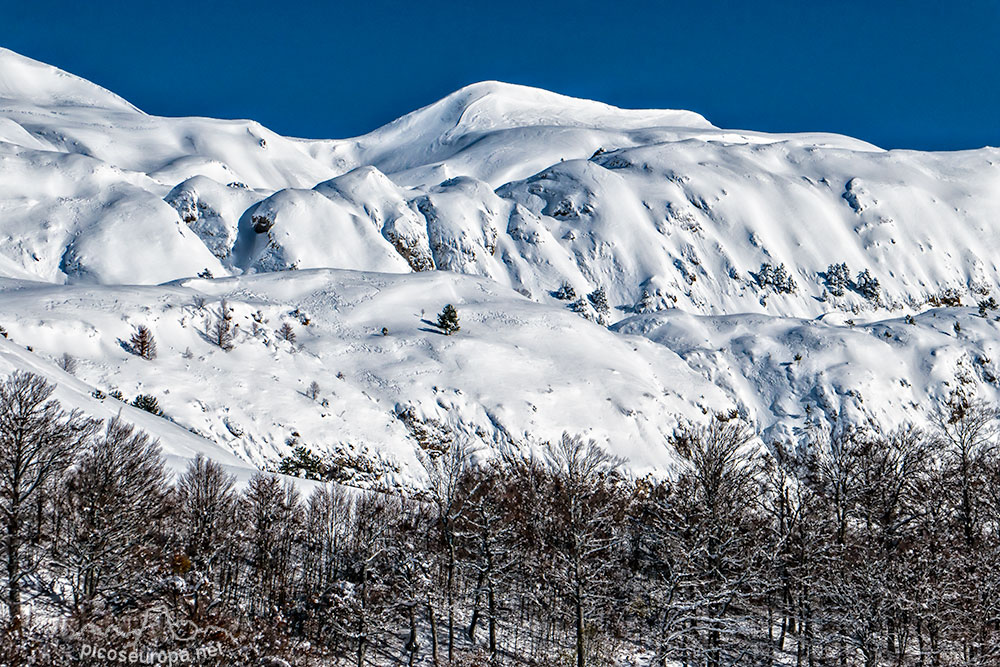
pixel 148 403
pixel 987 305
pixel 949 297
pixel 302 462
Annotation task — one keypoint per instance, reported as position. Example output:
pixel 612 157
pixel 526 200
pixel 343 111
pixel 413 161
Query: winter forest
pixel 870 548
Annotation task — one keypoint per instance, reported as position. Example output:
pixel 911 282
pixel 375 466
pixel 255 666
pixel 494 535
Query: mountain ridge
pixel 536 215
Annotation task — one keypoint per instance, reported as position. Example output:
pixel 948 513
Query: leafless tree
pixel 38 440
pixel 581 528
pixel 110 505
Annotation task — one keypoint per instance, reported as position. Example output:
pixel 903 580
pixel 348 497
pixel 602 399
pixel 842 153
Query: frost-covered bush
pixel 838 278
pixel 776 278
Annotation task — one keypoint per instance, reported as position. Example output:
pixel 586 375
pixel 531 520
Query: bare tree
pixel 206 502
pixel 489 535
pixel 272 515
pixel 110 504
pixel 445 467
pixel 581 529
pixel 38 440
pixel 313 390
pixel 717 546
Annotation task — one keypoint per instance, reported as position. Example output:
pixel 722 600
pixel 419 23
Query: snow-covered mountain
pixel 712 247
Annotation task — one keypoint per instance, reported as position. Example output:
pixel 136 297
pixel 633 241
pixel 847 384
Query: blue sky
pixel 909 74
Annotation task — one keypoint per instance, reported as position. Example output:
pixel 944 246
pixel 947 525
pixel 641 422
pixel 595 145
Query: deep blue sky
pixel 912 74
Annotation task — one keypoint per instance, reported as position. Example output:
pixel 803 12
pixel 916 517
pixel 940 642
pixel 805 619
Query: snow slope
pixel 518 373
pixel 178 444
pixel 491 198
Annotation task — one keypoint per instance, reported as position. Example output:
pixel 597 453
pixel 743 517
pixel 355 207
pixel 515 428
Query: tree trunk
pixel 580 639
pixel 451 600
pixel 434 632
pixel 362 643
pixel 14 569
pixel 471 632
pixel 491 603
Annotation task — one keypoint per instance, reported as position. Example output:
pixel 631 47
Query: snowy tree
pixel 313 390
pixel 717 545
pixel 581 528
pixel 445 466
pixel 448 320
pixel 286 332
pixel 776 278
pixel 566 292
pixel 221 331
pixel 272 519
pixel 488 534
pixel 206 502
pixel 599 299
pixel 142 342
pixel 868 286
pixel 838 278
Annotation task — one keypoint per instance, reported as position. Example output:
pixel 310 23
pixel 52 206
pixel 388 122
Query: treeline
pixel 859 548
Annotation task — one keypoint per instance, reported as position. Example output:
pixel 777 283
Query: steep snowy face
pixel 27 82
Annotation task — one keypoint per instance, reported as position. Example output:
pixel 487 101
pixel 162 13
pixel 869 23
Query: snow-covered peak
pixel 495 105
pixel 28 81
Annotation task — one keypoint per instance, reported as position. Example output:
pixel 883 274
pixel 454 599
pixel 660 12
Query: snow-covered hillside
pixel 517 373
pixel 493 198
